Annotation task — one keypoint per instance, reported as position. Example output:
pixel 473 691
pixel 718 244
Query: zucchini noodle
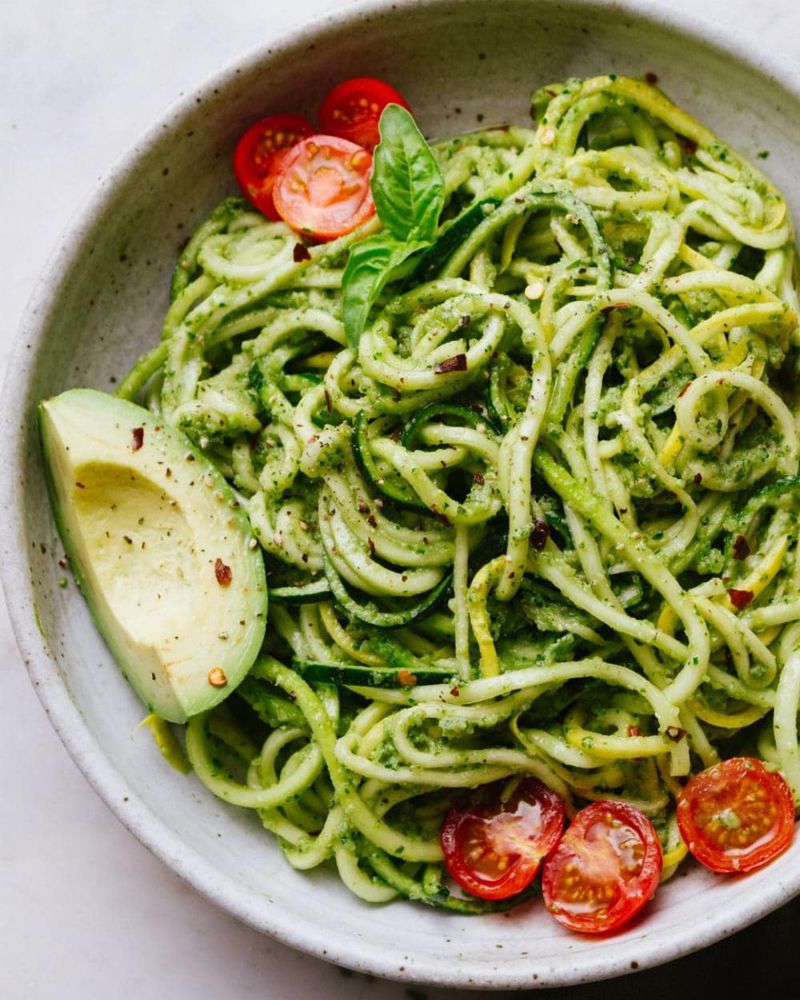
pixel 540 520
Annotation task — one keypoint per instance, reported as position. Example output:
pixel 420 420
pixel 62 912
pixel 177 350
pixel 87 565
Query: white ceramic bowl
pixel 459 62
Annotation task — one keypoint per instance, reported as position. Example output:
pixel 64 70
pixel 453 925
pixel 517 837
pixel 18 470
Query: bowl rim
pixel 236 899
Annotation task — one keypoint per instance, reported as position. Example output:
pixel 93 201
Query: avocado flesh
pixel 159 547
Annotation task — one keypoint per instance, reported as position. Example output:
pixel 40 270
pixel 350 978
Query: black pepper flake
pixel 372 521
pixel 539 533
pixel 137 435
pixel 300 253
pixel 371 546
pixel 454 364
pixel 689 146
pixel 128 539
pixel 697 478
pixel 478 479
pixel 675 733
pixel 80 486
pixel 651 78
pixel 741 547
pixel 223 573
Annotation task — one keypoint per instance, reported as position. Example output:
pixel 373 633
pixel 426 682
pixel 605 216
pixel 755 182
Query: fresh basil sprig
pixel 408 190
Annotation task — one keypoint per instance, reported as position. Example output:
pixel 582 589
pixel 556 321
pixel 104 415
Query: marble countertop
pixel 85 910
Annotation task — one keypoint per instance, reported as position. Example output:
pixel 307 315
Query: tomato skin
pixel 353 108
pixel 736 816
pixel 605 868
pixel 494 849
pixel 323 186
pixel 258 155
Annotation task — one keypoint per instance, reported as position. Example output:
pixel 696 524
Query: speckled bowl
pixel 460 63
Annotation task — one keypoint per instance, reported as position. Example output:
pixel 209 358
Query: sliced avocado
pixel 161 550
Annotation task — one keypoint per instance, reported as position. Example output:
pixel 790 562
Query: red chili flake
pixel 442 518
pixel 478 479
pixel 395 435
pixel 741 547
pixel 697 478
pixel 634 731
pixel 300 253
pixel 138 438
pixel 372 521
pixel 63 562
pixel 688 145
pixel 683 390
pixel 363 506
pixel 406 679
pixel 674 733
pixel 223 573
pixel 651 78
pixel 455 364
pixel 371 545
pixel 454 691
pixel 540 533
pixel 740 598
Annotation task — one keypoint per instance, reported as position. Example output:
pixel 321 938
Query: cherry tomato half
pixel 322 188
pixel 736 816
pixel 605 868
pixel 258 154
pixel 353 108
pixel 494 849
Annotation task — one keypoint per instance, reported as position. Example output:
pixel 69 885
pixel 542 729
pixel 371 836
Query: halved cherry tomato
pixel 322 188
pixel 494 849
pixel 258 154
pixel 605 868
pixel 736 816
pixel 352 109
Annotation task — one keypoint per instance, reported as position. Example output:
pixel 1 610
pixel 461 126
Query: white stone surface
pixel 85 911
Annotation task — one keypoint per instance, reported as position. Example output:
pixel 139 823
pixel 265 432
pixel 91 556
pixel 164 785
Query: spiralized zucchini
pixel 541 521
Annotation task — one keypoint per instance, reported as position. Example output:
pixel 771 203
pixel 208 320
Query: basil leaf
pixel 407 184
pixel 408 190
pixel 371 265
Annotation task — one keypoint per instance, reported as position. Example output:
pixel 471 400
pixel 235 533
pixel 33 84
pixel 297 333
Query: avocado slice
pixel 160 549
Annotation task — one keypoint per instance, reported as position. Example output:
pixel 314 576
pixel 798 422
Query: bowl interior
pixel 461 64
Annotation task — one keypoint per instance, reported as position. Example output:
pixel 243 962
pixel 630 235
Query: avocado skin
pixel 159 547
